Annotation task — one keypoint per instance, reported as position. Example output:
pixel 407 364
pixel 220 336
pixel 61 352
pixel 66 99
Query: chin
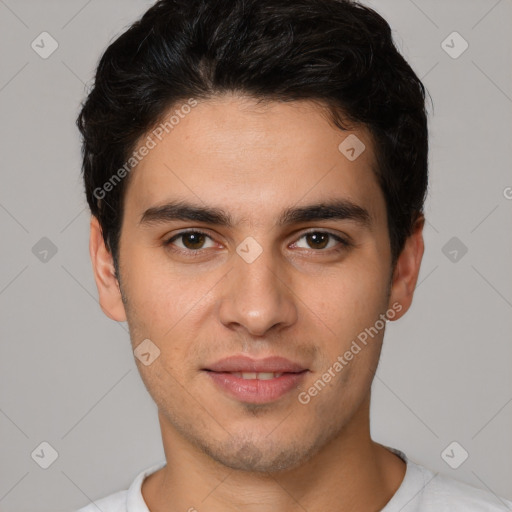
pixel 264 456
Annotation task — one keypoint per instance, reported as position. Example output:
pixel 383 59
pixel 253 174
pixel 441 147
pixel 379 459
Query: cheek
pixel 159 295
pixel 351 299
pixel 169 309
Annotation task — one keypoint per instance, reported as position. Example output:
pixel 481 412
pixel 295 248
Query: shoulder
pixel 445 493
pixel 114 503
pixel 130 499
pixel 423 490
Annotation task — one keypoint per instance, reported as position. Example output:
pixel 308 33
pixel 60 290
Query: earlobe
pixel 407 269
pixel 110 298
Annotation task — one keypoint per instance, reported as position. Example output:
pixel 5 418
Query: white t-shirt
pixel 421 491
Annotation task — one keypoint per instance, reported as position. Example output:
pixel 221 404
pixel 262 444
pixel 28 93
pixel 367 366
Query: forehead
pixel 253 159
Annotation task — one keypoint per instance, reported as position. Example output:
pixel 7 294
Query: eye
pixel 319 240
pixel 192 241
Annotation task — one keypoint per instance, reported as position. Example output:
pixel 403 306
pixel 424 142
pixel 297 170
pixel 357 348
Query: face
pixel 255 295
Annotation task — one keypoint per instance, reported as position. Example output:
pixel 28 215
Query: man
pixel 256 172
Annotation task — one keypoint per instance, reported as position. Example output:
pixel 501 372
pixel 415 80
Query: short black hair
pixel 338 53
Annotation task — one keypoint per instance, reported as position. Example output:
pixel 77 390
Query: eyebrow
pixel 339 209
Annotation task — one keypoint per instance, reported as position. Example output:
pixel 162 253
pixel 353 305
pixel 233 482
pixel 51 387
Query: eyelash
pixel 194 253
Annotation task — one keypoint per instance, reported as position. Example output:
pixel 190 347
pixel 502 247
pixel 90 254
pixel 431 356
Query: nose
pixel 256 296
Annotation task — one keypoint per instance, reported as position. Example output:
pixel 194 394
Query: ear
pixel 104 274
pixel 407 268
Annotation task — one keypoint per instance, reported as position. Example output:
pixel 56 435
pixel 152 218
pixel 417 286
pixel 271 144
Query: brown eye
pixel 191 241
pixel 319 240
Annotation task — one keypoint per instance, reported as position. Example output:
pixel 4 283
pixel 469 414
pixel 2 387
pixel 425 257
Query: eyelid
pixel 344 241
pixel 168 240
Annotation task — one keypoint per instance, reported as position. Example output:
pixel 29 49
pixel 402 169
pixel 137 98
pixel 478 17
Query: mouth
pixel 254 381
pixel 258 376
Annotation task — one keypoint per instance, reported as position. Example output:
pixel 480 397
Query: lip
pixel 241 363
pixel 255 391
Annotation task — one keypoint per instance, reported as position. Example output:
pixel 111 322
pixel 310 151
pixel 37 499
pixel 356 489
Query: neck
pixel 352 473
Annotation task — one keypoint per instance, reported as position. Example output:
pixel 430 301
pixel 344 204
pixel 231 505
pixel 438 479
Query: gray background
pixel 67 375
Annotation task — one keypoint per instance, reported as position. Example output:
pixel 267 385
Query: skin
pixel 299 300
